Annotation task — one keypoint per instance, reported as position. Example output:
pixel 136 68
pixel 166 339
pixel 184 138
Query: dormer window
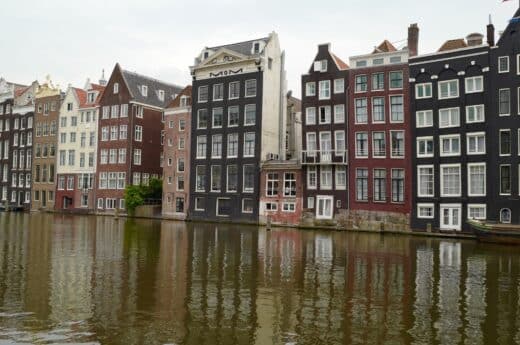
pixel 91 97
pixel 320 66
pixel 161 95
pixel 184 101
pixel 116 88
pixel 206 55
pixel 256 48
pixel 144 90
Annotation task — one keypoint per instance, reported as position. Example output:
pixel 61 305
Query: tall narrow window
pixel 504 102
pixel 505 142
pixel 397 185
pixel 379 185
pixel 505 180
pixel 362 184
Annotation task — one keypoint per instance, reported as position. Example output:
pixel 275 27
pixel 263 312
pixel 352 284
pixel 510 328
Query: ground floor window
pixel 324 209
pixel 36 195
pixel 450 217
pixel 27 197
pixel 362 184
pixel 110 203
pixel 247 205
pixel 397 185
pixel 179 204
pixel 289 207
pixel 200 204
pixel 310 202
pixel 100 203
pixel 425 211
pixel 477 211
pixel 122 204
pixel 51 195
pixel 223 207
pixel 505 215
pixel 84 200
pixel 271 206
pixel 380 185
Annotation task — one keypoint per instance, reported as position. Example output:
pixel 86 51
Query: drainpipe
pixel 281 131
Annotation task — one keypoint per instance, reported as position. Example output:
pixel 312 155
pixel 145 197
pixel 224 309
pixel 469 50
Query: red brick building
pixel 176 156
pixel 379 134
pixel 281 192
pixel 130 134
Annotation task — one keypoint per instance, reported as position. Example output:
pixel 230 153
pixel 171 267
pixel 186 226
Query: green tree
pixel 133 198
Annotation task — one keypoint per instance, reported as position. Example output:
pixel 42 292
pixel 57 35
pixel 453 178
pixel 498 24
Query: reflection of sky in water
pixel 95 280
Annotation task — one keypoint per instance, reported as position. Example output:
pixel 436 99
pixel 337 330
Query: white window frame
pixel 476 106
pixel 390 113
pixel 426 155
pixel 425 205
pixel 390 142
pixel 518 64
pixel 482 206
pixel 291 207
pixel 508 65
pixel 451 125
pixel 498 100
pixel 339 85
pixel 474 79
pixel 309 110
pixel 328 119
pixel 450 153
pixel 310 89
pixel 336 119
pixel 475 135
pixel 500 143
pixel 324 198
pixel 430 166
pixel 321 86
pixel 423 86
pixel 441 167
pixel 424 113
pixel 449 88
pixel 469 178
pixel 457 226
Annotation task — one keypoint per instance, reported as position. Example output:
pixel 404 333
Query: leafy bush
pixel 136 195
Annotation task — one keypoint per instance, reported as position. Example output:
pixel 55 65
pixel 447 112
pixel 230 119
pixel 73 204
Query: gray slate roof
pixel 243 48
pixel 135 81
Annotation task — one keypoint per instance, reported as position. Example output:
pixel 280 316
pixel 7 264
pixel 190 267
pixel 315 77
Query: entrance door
pixel 451 217
pixel 324 207
pixel 325 146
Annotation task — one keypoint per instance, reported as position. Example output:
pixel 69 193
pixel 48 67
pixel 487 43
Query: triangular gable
pixel 513 23
pixel 218 57
pixel 117 71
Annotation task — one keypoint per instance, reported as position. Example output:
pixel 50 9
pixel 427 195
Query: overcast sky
pixel 74 40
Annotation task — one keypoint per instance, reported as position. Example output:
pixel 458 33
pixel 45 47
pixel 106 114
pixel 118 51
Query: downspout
pixel 281 118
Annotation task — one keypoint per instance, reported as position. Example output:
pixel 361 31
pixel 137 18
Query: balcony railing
pixel 325 157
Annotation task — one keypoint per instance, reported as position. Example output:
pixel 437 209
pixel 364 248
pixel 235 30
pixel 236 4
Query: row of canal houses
pixel 389 140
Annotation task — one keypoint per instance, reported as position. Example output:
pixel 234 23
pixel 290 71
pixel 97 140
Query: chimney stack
pixel 474 39
pixel 490 33
pixel 413 40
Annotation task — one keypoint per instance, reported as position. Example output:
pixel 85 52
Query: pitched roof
pixel 384 47
pixel 134 82
pixel 509 27
pixel 244 48
pixel 340 63
pixel 81 95
pixel 453 44
pixel 176 102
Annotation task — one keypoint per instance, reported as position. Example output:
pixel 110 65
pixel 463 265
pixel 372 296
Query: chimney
pixel 474 39
pixel 490 33
pixel 413 40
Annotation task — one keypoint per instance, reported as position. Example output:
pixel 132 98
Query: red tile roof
pixel 340 63
pixel 384 47
pixel 176 102
pixel 453 44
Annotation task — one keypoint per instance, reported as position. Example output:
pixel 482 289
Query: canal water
pixel 97 280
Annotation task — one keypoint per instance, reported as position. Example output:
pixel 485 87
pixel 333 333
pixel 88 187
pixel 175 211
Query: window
pixel 378 144
pixel 504 102
pixel 477 179
pixel 311 177
pixel 136 178
pixel 234 90
pixel 310 116
pixel 474 84
pixel 339 113
pixel 113 134
pixel 320 66
pixel 199 204
pixel 289 207
pixel 121 156
pixel 396 109
pixel 397 185
pixel 271 185
pixel 324 115
pixel 137 156
pixel 475 113
pixel 217 118
pixel 114 113
pixel 361 83
pixel 339 147
pixel 180 183
pixel 362 184
pixel 249 115
pixel 139 112
pixel 326 177
pixel 396 80
pixel 339 85
pixel 223 207
pixel 202 119
pixel 232 145
pixel 361 110
pixel 122 133
pixel 216 146
pixel 232 179
pixel 180 164
pixel 218 92
pixel 425 181
pixel 289 184
pixel 397 144
pixel 449 117
pixel 124 112
pixel 450 180
pixel 361 144
pixel 182 143
pixel 378 110
pixel 424 118
pixel 324 89
pixel 249 178
pixel 201 146
pixel 518 99
pixel 72 137
pixel 505 142
pixel 379 185
pixel 378 81
pixel 271 206
pixel 503 64
pixel 116 88
pixel 203 94
pixel 423 90
pixel 216 178
pixel 476 143
pixel 200 178
pixel 448 89
pixel 311 144
pixel 505 216
pixel 449 145
pixel 310 89
pixel 477 211
pixel 518 64
pixel 505 180
pixel 247 205
pixel 138 133
pixel 250 88
pixel 72 157
pixel 425 211
pixel 324 208
pixel 233 116
pixel 249 144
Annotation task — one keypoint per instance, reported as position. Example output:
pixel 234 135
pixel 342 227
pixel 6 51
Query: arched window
pixel 505 215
